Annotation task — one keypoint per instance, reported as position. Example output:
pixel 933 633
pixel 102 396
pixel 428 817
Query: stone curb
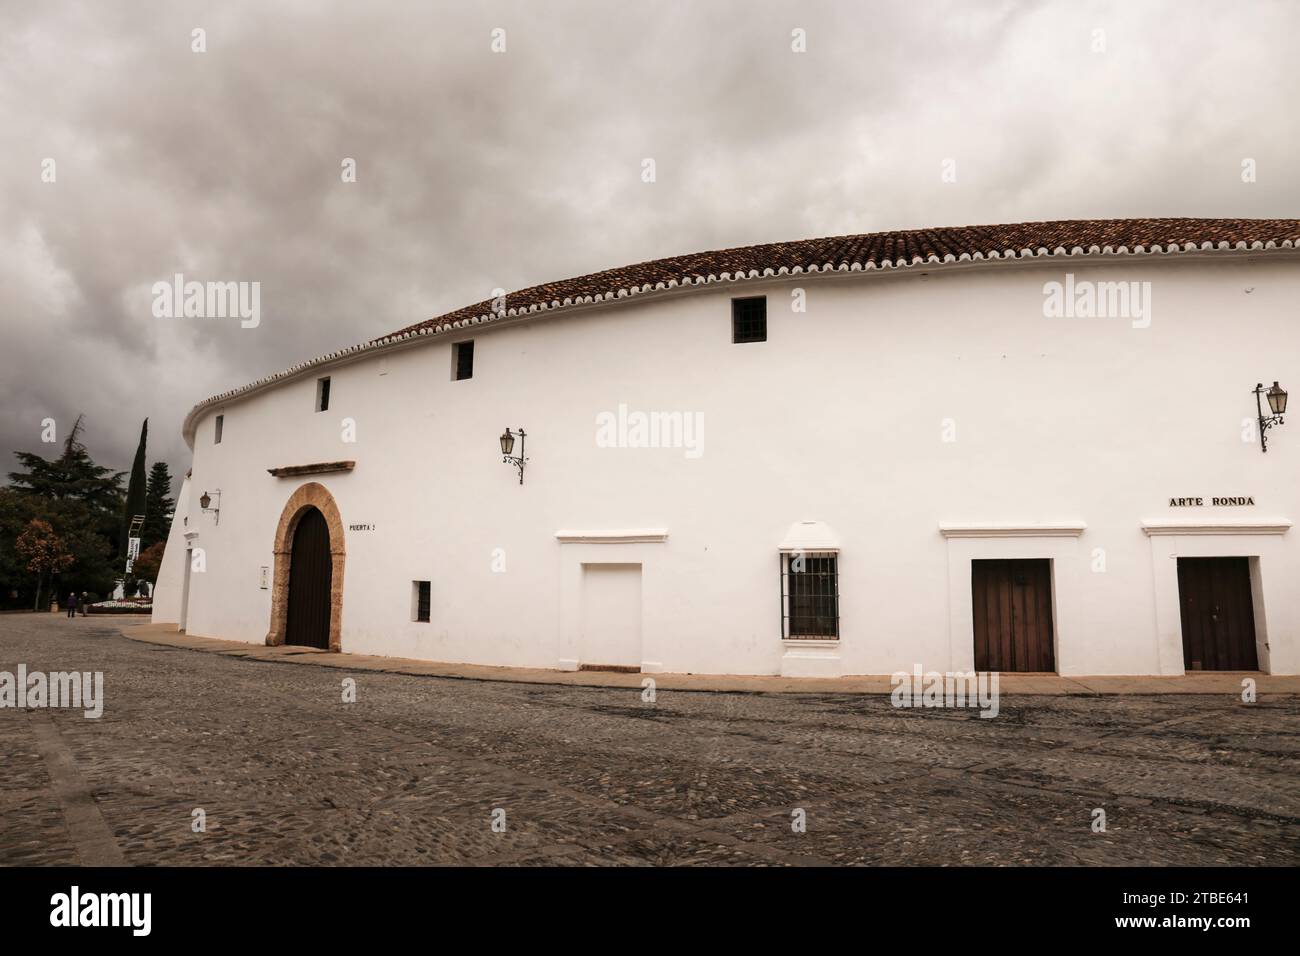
pixel 1048 685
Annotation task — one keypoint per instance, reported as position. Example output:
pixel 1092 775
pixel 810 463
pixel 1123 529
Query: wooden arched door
pixel 309 583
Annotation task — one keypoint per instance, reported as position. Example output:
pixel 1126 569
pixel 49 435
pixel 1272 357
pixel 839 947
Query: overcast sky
pixel 478 169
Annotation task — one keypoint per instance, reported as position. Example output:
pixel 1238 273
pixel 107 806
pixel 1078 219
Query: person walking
pixel 85 602
pixel 72 604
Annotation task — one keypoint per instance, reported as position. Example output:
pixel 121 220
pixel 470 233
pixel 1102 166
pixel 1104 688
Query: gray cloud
pixel 479 170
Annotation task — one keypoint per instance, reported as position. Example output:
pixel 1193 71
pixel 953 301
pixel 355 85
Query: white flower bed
pixel 120 607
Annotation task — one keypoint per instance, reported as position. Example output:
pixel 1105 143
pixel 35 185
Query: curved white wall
pixel 169 589
pixel 839 417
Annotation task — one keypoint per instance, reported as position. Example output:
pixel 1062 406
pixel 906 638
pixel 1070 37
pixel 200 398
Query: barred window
pixel 420 593
pixel 749 320
pixel 810 595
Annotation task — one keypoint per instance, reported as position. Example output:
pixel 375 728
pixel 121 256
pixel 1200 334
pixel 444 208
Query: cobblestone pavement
pixel 412 772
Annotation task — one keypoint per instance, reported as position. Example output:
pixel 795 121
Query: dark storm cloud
pixel 478 170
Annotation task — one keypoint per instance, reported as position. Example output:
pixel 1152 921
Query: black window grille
pixel 322 394
pixel 221 421
pixel 464 360
pixel 749 320
pixel 422 592
pixel 810 595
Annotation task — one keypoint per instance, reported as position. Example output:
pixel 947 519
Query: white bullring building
pixel 1034 447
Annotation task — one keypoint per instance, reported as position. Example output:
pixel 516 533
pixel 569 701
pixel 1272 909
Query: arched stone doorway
pixel 311 510
pixel 307 622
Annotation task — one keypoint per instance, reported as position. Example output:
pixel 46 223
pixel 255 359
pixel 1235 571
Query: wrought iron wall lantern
pixel 508 447
pixel 1277 405
pixel 205 502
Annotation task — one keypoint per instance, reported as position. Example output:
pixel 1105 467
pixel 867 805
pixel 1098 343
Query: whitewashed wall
pixel 838 417
pixel 169 587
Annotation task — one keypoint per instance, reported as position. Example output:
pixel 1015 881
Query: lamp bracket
pixel 520 460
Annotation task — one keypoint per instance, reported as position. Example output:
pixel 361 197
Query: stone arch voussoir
pixel 311 495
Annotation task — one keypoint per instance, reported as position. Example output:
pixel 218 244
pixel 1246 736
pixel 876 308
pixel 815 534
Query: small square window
pixel 323 394
pixel 810 595
pixel 420 594
pixel 749 320
pixel 462 360
pixel 221 420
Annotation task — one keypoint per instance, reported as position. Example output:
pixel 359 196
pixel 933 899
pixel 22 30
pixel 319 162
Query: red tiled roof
pixel 869 251
pixel 881 250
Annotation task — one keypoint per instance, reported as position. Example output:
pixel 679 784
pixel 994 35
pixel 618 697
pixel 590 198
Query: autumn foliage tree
pixel 43 552
pixel 146 566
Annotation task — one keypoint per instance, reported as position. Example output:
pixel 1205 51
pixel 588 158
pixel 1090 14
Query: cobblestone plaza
pixel 425 770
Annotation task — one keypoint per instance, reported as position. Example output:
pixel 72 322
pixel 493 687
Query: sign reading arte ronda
pixel 1214 502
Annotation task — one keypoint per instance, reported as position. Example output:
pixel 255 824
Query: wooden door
pixel 310 576
pixel 1218 614
pixel 1013 615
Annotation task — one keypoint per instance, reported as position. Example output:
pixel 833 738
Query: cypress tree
pixel 158 505
pixel 135 488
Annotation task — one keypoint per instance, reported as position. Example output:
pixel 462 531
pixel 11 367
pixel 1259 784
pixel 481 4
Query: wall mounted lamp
pixel 508 447
pixel 1277 404
pixel 205 500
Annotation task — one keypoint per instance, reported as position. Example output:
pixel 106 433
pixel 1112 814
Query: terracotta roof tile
pixel 873 250
pixel 882 250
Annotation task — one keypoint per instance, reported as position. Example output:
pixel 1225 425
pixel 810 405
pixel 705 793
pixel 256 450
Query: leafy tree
pixel 150 561
pixel 82 502
pixel 158 506
pixel 94 568
pixel 43 552
pixel 73 475
pixel 16 511
pixel 135 489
